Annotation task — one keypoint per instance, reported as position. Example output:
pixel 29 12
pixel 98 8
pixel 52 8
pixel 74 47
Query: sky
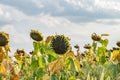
pixel 77 19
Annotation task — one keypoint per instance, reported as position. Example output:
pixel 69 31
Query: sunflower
pixel 87 46
pixel 118 43
pixel 19 54
pixel 95 37
pixel 60 44
pixel 36 35
pixel 4 39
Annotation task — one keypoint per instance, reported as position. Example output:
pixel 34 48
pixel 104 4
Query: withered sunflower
pixel 4 39
pixel 60 44
pixel 36 35
pixel 118 43
pixel 95 37
pixel 87 46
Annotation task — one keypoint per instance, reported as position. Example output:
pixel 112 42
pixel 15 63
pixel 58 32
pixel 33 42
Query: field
pixel 53 59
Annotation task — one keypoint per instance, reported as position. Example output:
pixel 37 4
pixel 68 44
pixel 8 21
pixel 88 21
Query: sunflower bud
pixel 4 39
pixel 36 35
pixel 95 37
pixel 60 44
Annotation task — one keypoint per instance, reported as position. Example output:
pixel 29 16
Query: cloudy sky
pixel 77 19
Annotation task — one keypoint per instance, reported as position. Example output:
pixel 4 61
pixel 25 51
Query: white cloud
pixel 4 14
pixel 49 4
pixel 87 5
pixel 9 13
pixel 80 28
pixel 93 5
pixel 75 3
pixel 38 3
pixel 108 4
pixel 1 11
pixel 109 21
pixel 8 28
pixel 15 36
pixel 51 21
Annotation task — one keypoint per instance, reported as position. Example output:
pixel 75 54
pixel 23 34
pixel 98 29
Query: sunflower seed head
pixel 95 37
pixel 60 44
pixel 4 39
pixel 118 43
pixel 36 35
pixel 87 46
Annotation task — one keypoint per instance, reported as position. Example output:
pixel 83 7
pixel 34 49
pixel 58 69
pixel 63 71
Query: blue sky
pixel 77 19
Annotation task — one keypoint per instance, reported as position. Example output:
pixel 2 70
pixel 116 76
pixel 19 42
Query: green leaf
pixel 104 34
pixel 51 58
pixel 50 54
pixel 54 77
pixel 72 78
pixel 101 51
pixel 40 72
pixel 34 64
pixel 39 47
pixel 42 50
pixel 102 75
pixel 94 45
pixel 77 64
pixel 101 54
pixel 118 67
pixel 36 47
pixel 88 76
pixel 112 70
pixel 102 59
pixel 104 42
pixel 42 62
pixel 70 64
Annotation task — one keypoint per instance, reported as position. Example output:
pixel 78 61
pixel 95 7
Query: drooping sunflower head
pixel 95 37
pixel 118 43
pixel 19 54
pixel 4 39
pixel 76 46
pixel 87 46
pixel 60 44
pixel 36 35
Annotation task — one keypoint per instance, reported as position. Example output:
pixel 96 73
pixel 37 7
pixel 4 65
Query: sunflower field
pixel 54 59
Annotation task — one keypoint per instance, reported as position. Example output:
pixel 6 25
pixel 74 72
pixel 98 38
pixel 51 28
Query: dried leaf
pixel 56 66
